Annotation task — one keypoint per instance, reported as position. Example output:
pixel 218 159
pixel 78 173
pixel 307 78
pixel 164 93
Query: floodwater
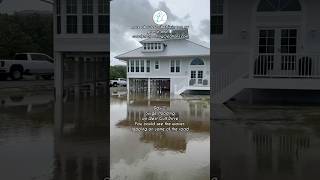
pixel 268 142
pixel 42 140
pixel 140 155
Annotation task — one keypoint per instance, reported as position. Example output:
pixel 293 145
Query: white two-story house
pixel 264 45
pixel 167 65
pixel 81 44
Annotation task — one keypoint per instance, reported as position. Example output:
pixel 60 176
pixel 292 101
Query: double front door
pixel 277 50
pixel 196 77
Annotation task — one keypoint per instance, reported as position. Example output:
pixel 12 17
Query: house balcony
pixel 286 66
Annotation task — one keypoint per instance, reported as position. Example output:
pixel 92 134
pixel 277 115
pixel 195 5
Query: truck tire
pixel 16 72
pixel 3 77
pixel 115 84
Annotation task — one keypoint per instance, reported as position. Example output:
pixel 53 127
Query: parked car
pixel 27 64
pixel 118 82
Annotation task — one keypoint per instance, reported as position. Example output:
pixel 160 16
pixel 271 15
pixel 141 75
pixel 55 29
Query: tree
pixel 118 72
pixel 25 33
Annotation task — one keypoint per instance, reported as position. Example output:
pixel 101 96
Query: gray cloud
pixel 128 13
pixel 11 6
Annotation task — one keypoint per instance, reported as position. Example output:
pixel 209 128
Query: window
pixel 142 66
pixel 103 18
pixel 103 22
pixel 58 6
pixel 87 6
pixel 137 65
pixel 200 76
pixel 148 45
pixel 72 19
pixel 193 74
pixel 217 17
pixel 159 46
pixel 71 6
pixel 279 5
pixel 87 18
pixel 132 65
pixel 172 66
pixel 21 57
pixel 177 65
pixel 103 6
pixel 156 46
pixel 266 41
pixel 40 57
pixel 148 65
pixel 144 46
pixel 156 64
pixel 288 46
pixel 197 61
pixel 87 24
pixel 72 24
pixel 58 11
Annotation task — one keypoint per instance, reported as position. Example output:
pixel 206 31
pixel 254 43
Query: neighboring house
pixel 263 45
pixel 172 65
pixel 81 43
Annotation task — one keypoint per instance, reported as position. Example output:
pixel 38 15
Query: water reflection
pixel 258 146
pixel 160 155
pixel 46 139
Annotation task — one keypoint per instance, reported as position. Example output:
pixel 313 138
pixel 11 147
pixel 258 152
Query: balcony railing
pixel 287 66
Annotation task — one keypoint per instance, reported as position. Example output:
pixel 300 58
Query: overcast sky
pixel 10 6
pixel 128 13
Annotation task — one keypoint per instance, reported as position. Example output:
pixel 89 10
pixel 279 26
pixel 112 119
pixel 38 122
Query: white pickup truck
pixel 27 63
pixel 118 82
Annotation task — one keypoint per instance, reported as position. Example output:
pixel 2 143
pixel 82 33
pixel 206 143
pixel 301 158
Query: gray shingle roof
pixel 174 48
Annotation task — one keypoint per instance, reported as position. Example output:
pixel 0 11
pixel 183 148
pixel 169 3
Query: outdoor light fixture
pixel 313 32
pixel 244 34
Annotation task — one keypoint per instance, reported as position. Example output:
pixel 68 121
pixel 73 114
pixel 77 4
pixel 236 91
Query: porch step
pixel 193 88
pixel 266 83
pixel 230 91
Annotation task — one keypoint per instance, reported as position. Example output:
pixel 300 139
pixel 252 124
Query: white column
pixel 149 94
pixel 58 74
pixel 128 88
pixel 77 78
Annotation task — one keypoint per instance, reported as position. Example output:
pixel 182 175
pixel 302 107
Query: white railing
pixel 287 65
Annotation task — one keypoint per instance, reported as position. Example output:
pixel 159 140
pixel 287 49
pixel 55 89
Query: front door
pixel 196 77
pixel 277 49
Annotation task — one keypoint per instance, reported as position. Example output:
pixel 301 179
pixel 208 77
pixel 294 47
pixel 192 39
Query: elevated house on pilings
pixel 167 67
pixel 265 50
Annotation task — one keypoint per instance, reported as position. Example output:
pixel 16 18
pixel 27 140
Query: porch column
pixel 77 77
pixel 58 74
pixel 149 88
pixel 128 88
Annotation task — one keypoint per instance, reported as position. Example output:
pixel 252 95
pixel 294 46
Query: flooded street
pixel 160 155
pixel 268 142
pixel 45 143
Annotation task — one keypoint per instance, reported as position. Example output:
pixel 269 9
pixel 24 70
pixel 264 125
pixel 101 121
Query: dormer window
pixel 152 46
